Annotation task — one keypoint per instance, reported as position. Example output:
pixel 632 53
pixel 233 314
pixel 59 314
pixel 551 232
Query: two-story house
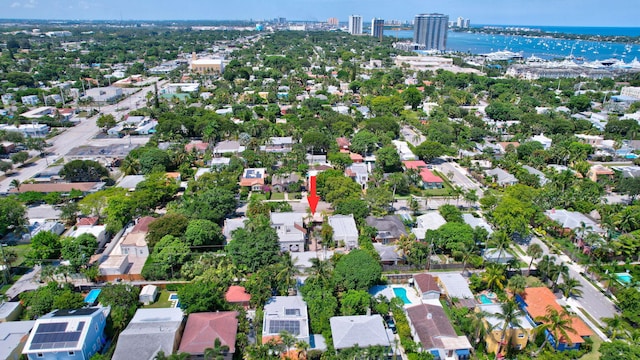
pixel 290 229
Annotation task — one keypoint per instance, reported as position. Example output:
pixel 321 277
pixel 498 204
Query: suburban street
pixel 459 176
pixel 81 134
pixel 592 300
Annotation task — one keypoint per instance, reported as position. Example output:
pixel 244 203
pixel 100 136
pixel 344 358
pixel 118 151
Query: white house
pixel 290 229
pixel 545 141
pixel 344 230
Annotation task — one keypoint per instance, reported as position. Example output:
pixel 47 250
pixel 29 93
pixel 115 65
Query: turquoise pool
pixel 402 294
pixel 92 296
pixel 484 299
pixel 624 278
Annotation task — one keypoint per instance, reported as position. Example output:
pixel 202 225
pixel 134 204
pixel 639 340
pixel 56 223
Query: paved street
pixel 459 176
pixel 592 300
pixel 81 134
pixel 412 136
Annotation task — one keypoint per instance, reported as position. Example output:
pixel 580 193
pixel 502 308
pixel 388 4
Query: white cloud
pixel 15 4
pixel 30 4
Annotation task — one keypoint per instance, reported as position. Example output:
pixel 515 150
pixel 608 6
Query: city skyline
pixel 506 12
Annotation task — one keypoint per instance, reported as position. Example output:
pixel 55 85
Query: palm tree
pixel 467 251
pixel 510 316
pixel 535 252
pixel 494 276
pixel 288 340
pixel 517 284
pixel 16 184
pixel 545 266
pixel 570 287
pixel 217 352
pixel 558 323
pixel 558 270
pixel 471 197
pixel 500 241
pixel 320 269
pixel 287 272
pixel 302 347
pixel 405 244
pixel 477 322
pixel 615 326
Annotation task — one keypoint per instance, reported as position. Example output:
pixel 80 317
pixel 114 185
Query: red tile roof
pixel 237 294
pixel 414 164
pixel 343 142
pixel 56 187
pixel 203 329
pixel 426 282
pixel 87 221
pixel 539 298
pixel 199 146
pixel 142 226
pixel 429 177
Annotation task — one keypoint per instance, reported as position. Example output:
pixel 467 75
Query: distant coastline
pixel 609 34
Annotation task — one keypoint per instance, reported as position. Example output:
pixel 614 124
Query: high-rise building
pixel 333 21
pixel 460 22
pixel 430 31
pixel 377 28
pixel 355 24
pixel 467 23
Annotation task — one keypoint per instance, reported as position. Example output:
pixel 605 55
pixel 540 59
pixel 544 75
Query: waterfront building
pixel 355 24
pixel 377 28
pixel 430 30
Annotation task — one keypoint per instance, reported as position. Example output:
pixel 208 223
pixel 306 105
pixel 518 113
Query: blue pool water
pixel 624 278
pixel 173 297
pixel 485 299
pixel 92 296
pixel 402 294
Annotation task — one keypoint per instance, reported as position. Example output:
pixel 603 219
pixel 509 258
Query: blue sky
pixel 522 12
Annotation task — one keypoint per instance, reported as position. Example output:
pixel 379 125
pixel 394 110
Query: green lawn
pixel 277 196
pixel 21 251
pixel 163 301
pixel 595 353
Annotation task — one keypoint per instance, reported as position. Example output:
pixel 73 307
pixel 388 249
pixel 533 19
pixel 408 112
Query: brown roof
pixel 57 187
pixel 539 298
pixel 89 221
pixel 237 294
pixel 142 226
pixel 343 142
pixel 426 282
pixel 203 329
pixel 431 323
pixel 251 181
pixel 198 146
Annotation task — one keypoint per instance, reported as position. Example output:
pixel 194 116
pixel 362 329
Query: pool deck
pixel 412 294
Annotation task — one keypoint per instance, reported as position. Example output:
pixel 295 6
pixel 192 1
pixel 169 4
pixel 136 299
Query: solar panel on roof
pixel 51 328
pixel 60 337
pixel 290 326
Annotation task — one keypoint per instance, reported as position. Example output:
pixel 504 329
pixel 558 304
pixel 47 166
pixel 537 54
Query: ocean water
pixel 542 47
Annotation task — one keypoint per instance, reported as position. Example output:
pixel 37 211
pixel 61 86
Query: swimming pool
pixel 173 297
pixel 624 278
pixel 92 296
pixel 402 294
pixel 484 299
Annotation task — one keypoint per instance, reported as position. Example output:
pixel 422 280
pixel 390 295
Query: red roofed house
pixel 197 146
pixel 535 301
pixel 427 286
pixel 414 164
pixel 203 329
pixel 238 295
pixel 356 158
pixel 253 178
pixel 343 143
pixel 87 221
pixel 429 180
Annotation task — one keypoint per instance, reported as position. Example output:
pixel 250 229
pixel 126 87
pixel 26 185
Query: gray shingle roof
pixel 363 330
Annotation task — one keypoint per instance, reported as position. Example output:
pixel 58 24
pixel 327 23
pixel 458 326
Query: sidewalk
pixel 573 304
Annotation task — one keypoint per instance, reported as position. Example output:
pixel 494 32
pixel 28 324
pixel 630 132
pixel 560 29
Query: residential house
pixel 593 140
pixel 535 301
pixel 429 180
pixel 202 330
pixel 149 332
pixel 39 112
pixel 13 336
pixel 414 164
pixel 506 144
pixel 356 158
pixel 545 141
pixel 285 313
pixel 114 265
pixel 253 178
pixel 427 286
pixel 497 256
pixel 433 331
pixel 10 311
pixel 232 224
pixel 28 130
pixel 219 162
pixel 404 151
pixel 228 147
pixel 431 220
pixel 542 178
pixel 148 294
pixel 343 143
pixel 129 182
pixel 389 254
pixel 501 177
pixel 135 243
pixel 574 221
pixel 360 330
pixel 281 183
pixel 599 173
pixel 476 222
pixel 197 146
pixel 278 145
pixel 238 295
pixel 359 172
pixel 68 334
pixel 345 230
pixel 30 100
pixel 455 286
pixel 290 229
pixel 389 228
pixel 516 336
pixel 98 231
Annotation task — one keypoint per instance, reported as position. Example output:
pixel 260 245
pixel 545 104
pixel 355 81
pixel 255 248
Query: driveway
pixel 458 176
